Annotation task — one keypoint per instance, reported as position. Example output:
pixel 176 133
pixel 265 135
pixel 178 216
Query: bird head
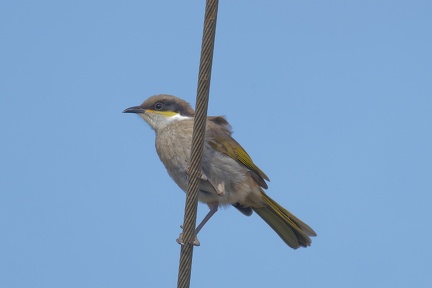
pixel 160 110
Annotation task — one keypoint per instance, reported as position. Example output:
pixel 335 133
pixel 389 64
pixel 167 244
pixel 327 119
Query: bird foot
pixel 219 188
pixel 181 241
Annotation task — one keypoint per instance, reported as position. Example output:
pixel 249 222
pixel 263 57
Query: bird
pixel 228 176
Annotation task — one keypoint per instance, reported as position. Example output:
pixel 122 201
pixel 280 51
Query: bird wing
pixel 224 143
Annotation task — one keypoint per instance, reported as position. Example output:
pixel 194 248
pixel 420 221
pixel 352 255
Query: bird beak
pixel 135 109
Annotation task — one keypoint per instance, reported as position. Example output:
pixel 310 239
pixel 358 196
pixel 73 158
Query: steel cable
pixel 204 76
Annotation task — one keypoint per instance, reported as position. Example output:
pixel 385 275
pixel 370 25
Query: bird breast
pixel 228 181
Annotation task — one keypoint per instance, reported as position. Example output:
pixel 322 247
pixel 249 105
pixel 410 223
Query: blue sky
pixel 332 99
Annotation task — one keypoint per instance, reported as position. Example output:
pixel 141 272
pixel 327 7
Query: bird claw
pixel 219 188
pixel 182 242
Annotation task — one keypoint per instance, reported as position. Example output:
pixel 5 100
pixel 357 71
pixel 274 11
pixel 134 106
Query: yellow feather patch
pixel 164 113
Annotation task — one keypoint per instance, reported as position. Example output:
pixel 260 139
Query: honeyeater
pixel 229 176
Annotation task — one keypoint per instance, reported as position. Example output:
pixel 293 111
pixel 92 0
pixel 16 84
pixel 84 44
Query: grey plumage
pixel 229 176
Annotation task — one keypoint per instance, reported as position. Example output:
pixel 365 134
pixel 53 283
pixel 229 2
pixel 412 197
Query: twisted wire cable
pixel 204 76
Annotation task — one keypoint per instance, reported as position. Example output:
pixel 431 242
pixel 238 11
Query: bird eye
pixel 158 106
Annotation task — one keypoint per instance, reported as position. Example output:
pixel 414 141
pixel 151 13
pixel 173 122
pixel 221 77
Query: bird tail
pixel 292 230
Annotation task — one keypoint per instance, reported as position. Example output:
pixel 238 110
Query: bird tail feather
pixel 293 231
